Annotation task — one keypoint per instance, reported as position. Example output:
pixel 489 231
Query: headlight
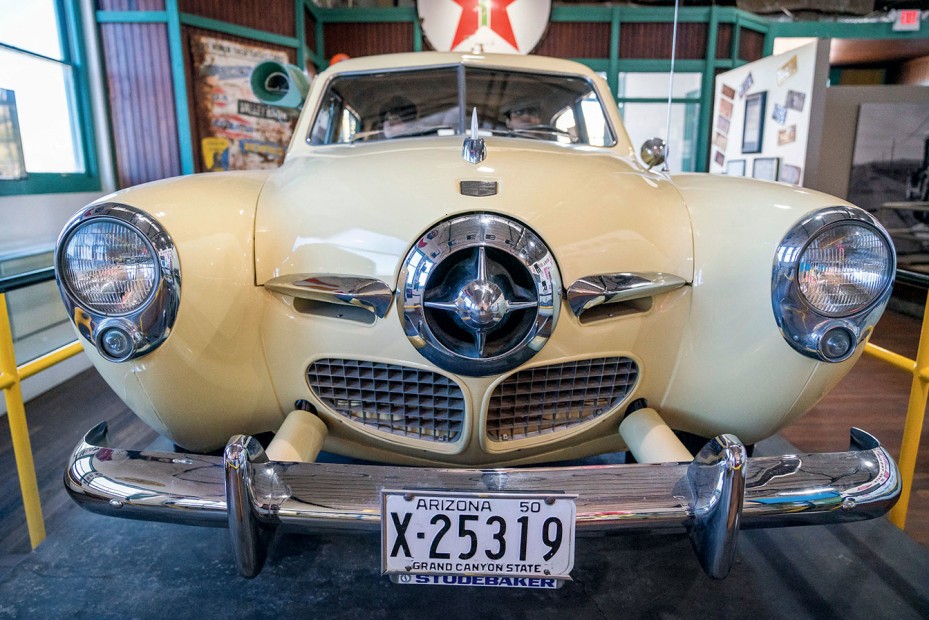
pixel 832 277
pixel 118 275
pixel 109 267
pixel 844 268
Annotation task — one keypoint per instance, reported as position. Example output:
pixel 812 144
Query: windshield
pixel 428 102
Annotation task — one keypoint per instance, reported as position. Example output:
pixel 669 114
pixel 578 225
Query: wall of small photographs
pixel 761 117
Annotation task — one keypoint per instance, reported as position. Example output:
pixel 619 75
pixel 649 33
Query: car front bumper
pixel 711 498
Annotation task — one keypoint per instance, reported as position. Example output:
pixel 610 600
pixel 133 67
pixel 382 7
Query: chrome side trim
pixel 611 288
pixel 779 491
pixel 368 293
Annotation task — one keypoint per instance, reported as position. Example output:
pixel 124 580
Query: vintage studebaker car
pixel 462 276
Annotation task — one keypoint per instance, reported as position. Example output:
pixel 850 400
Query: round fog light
pixel 116 344
pixel 836 344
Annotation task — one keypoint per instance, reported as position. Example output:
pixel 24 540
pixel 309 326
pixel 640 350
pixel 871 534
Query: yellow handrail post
pixel 22 448
pixel 913 428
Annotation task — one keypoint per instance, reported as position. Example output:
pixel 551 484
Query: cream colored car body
pixel 711 356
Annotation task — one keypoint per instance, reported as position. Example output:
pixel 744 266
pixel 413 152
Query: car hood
pixel 356 210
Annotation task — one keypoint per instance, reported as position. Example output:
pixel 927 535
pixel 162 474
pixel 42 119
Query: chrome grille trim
pixel 549 399
pixel 399 400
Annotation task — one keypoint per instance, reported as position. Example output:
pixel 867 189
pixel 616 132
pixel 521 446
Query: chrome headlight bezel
pixel 804 326
pixel 145 326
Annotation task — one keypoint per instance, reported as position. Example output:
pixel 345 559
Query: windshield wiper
pixel 409 133
pixel 537 132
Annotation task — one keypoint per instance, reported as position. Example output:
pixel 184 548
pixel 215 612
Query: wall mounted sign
pixel 236 131
pixel 491 26
pixel 907 19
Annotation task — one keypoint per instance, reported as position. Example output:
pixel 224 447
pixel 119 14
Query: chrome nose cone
pixel 481 305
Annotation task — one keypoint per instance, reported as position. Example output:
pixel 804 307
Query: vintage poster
pixel 12 163
pixel 236 131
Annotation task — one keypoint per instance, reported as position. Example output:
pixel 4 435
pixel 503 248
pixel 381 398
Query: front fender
pixel 733 358
pixel 209 380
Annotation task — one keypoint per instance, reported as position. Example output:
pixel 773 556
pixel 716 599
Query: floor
pixel 810 568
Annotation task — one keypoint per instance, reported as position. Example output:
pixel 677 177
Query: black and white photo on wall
pixel 735 167
pixel 753 128
pixel 766 168
pixel 789 174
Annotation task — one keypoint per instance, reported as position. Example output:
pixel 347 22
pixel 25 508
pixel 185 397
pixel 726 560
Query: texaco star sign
pixel 500 26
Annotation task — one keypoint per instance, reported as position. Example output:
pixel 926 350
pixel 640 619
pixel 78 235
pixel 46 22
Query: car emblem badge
pixel 474 151
pixel 478 189
pixel 477 294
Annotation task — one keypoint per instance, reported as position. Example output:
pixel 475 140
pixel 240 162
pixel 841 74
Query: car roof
pixel 431 59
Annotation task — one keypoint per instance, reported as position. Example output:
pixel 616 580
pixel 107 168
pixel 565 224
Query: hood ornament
pixel 474 151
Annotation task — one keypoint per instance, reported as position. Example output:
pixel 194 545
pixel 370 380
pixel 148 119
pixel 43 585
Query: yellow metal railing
pixel 11 376
pixel 915 412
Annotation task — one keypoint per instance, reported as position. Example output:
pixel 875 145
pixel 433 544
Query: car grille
pixel 394 399
pixel 553 398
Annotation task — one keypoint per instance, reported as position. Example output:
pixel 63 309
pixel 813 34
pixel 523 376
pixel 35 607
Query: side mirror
pixel 653 152
pixel 279 84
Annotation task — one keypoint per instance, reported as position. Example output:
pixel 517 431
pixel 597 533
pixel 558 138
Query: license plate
pixel 477 534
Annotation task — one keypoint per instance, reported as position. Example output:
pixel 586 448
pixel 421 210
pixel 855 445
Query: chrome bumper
pixel 711 498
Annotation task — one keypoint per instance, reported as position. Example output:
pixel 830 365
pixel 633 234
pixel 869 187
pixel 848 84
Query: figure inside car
pixel 397 116
pixel 523 114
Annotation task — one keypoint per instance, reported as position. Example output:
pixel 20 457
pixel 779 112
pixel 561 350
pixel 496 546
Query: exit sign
pixel 907 20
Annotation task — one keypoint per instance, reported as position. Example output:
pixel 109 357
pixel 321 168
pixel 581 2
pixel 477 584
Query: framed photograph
pixel 753 129
pixel 746 84
pixel 766 168
pixel 720 141
pixel 719 158
pixel 786 70
pixel 725 108
pixel 780 114
pixel 728 91
pixel 722 124
pixel 789 174
pixel 787 135
pixel 795 100
pixel 736 168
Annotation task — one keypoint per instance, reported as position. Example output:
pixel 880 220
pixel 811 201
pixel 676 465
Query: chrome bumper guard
pixel 721 491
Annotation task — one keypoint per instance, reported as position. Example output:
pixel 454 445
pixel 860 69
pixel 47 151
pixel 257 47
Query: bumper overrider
pixel 711 498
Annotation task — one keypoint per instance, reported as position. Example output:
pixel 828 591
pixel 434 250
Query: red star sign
pixel 470 20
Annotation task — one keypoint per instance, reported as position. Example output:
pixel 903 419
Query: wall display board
pixel 12 163
pixel 762 110
pixel 236 131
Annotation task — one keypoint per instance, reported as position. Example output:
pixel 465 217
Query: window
pixel 429 102
pixel 47 120
pixel 643 103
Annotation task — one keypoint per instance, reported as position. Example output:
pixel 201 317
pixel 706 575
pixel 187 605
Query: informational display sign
pixel 492 26
pixel 236 131
pixel 12 164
